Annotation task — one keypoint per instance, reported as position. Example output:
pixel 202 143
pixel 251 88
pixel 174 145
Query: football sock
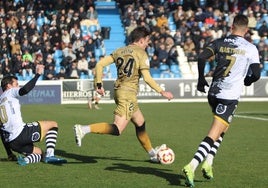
pixel 51 139
pixel 143 137
pixel 202 152
pixel 33 158
pixel 214 149
pixel 104 128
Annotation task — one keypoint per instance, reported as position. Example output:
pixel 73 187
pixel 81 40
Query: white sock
pixel 85 129
pixel 50 152
pixel 209 159
pixel 194 164
pixel 152 153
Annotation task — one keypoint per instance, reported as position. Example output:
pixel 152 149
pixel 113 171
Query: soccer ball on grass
pixel 166 156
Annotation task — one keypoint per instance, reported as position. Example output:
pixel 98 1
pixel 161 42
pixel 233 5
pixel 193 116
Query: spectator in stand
pixel 154 62
pixel 263 30
pixel 61 75
pixel 72 71
pixel 179 39
pixel 173 56
pixel 15 46
pixel 161 53
pixel 16 61
pixel 92 64
pixel 89 47
pixel 189 48
pixel 82 65
pixel 65 37
pixel 50 73
pixel 162 21
pixel 6 66
pixel 179 16
pixel 92 15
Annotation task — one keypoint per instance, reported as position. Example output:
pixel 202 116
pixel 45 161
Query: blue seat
pixel 58 53
pixel 165 75
pixel 172 27
pixel 83 76
pixel 174 68
pixel 155 72
pixel 98 53
pixel 92 28
pixel 163 67
pixel 265 66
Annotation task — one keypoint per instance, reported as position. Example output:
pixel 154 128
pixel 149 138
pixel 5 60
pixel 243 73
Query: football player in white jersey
pixel 21 136
pixel 235 58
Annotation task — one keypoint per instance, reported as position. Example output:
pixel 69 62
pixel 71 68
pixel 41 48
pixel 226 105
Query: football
pixel 166 156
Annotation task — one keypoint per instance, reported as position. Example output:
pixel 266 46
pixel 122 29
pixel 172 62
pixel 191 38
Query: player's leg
pixel 143 137
pixel 49 131
pixel 115 128
pixel 10 155
pixel 207 164
pixel 23 144
pixel 121 119
pixel 204 148
pixel 223 110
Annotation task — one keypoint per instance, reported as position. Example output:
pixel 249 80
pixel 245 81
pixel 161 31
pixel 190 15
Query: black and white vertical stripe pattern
pixel 216 145
pixel 33 158
pixel 203 149
pixel 51 138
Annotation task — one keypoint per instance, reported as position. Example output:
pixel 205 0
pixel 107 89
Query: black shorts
pixel 222 108
pixel 30 134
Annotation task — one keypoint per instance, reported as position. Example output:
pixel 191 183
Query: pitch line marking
pixel 252 117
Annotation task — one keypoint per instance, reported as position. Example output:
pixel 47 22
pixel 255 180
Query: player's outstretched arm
pixel 30 85
pixel 152 83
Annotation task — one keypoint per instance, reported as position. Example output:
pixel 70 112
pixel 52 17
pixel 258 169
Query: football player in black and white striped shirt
pixel 237 65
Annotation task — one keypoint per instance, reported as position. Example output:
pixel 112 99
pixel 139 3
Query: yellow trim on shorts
pixel 221 120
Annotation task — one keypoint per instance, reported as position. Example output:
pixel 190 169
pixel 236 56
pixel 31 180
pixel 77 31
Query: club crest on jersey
pixel 221 109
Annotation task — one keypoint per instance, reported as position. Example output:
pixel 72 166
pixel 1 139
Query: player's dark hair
pixel 7 80
pixel 138 33
pixel 240 21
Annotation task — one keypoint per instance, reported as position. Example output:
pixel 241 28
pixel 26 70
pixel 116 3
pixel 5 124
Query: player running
pixel 132 62
pixel 235 57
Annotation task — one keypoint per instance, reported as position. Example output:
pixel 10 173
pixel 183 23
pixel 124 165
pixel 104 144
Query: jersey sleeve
pixel 144 60
pixel 107 60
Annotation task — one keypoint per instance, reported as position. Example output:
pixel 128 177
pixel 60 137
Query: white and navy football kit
pixel 19 135
pixel 233 56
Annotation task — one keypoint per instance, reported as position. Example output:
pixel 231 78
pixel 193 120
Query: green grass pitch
pixel 106 161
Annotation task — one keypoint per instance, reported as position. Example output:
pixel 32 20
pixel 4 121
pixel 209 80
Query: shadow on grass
pixel 173 179
pixel 87 159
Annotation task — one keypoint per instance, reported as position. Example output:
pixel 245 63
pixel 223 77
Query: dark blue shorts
pixel 222 108
pixel 24 143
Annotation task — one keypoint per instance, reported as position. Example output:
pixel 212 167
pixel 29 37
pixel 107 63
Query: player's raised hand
pixel 40 69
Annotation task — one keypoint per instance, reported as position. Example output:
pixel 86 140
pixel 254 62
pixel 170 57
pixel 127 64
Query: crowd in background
pixel 50 32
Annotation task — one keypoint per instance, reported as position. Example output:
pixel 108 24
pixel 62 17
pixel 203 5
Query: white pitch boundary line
pixel 252 117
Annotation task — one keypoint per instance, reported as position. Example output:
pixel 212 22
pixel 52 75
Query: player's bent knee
pixel 115 130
